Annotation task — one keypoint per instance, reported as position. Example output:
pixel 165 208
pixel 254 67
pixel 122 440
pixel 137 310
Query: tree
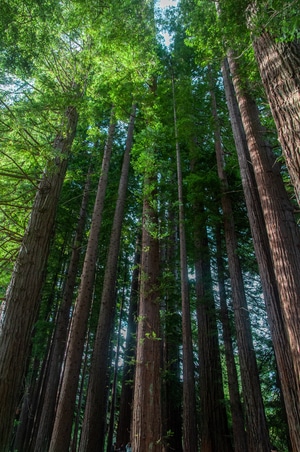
pixel 66 402
pixel 126 397
pixel 59 340
pixel 263 255
pixel 23 294
pixel 284 239
pixel 93 429
pixel 237 412
pixel 190 437
pixel 257 431
pixel 146 431
pixel 277 52
pixel 85 57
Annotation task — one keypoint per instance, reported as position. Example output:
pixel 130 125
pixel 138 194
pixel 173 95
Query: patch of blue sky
pixel 161 6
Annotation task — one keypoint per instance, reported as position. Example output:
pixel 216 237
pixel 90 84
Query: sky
pixel 166 3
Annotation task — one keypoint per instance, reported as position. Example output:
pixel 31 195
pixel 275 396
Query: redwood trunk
pixel 282 350
pixel 146 432
pixel 237 413
pixel 284 242
pixel 59 340
pixel 279 66
pixel 172 340
pixel 146 429
pixel 93 428
pixel 257 431
pixel 190 437
pixel 23 294
pixel 213 423
pixel 126 398
pixel 61 434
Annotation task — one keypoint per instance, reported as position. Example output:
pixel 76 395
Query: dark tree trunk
pixel 93 428
pixel 126 398
pixel 146 432
pixel 237 414
pixel 215 435
pixel 190 437
pixel 30 398
pixel 284 243
pixel 23 294
pixel 81 395
pixel 257 431
pixel 112 411
pixel 61 434
pixel 282 350
pixel 59 340
pixel 279 66
pixel 172 340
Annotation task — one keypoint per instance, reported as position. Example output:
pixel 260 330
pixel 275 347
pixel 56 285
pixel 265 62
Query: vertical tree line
pixel 149 238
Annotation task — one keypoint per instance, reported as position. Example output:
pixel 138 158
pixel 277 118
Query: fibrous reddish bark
pixel 64 415
pixel 23 294
pixel 279 66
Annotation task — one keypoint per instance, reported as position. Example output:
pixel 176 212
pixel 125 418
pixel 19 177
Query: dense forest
pixel 149 226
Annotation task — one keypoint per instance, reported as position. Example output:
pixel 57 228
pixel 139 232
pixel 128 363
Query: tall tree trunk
pixel 214 425
pixel 190 437
pixel 172 341
pixel 126 398
pixel 81 394
pixel 23 294
pixel 284 358
pixel 59 340
pixel 23 436
pixel 279 66
pixel 237 414
pixel 146 424
pixel 257 431
pixel 61 434
pixel 112 411
pixel 93 428
pixel 284 242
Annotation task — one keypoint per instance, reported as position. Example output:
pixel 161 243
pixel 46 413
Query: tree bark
pixel 284 242
pixel 93 428
pixel 215 435
pixel 126 398
pixel 257 431
pixel 190 437
pixel 61 434
pixel 23 294
pixel 59 340
pixel 172 341
pixel 279 66
pixel 146 432
pixel 284 358
pixel 237 413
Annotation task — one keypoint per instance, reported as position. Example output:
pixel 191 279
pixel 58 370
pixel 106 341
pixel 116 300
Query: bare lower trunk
pixel 257 431
pixel 262 250
pixel 214 426
pixel 146 432
pixel 172 340
pixel 60 439
pixel 59 340
pixel 126 398
pixel 190 437
pixel 237 413
pixel 284 242
pixel 23 294
pixel 93 428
